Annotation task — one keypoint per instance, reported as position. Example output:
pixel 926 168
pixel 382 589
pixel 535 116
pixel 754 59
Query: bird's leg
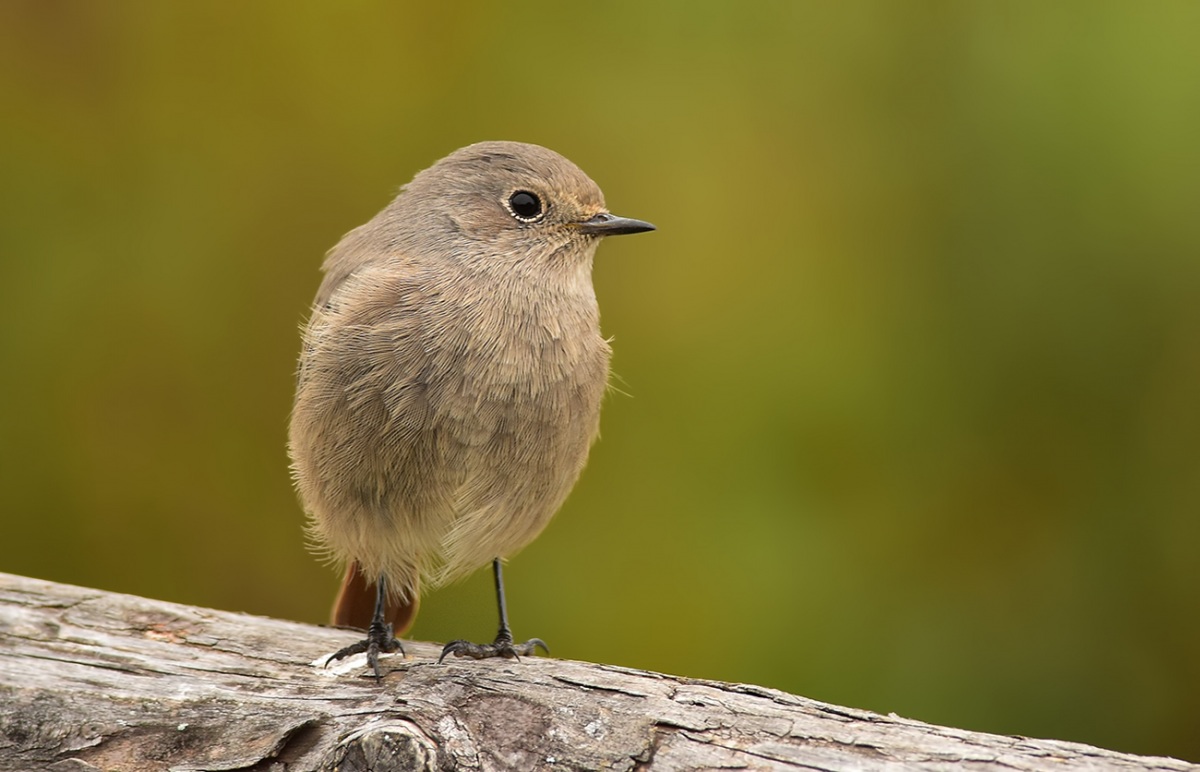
pixel 380 638
pixel 503 646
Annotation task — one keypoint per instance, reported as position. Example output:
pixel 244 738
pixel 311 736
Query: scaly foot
pixel 503 646
pixel 379 640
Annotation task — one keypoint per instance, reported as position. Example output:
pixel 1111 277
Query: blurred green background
pixel 911 370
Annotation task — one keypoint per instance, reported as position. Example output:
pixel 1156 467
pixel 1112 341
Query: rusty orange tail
pixel 355 604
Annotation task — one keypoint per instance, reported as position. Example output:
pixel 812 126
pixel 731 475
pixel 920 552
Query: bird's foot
pixel 379 640
pixel 503 646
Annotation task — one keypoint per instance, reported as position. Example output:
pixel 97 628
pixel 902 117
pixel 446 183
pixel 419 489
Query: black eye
pixel 525 206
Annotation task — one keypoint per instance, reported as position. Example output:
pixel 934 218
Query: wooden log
pixel 94 680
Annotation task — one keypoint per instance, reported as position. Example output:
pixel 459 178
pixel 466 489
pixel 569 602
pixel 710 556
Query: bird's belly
pixel 501 453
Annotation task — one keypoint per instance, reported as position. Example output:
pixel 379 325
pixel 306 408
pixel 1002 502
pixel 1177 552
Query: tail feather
pixel 355 604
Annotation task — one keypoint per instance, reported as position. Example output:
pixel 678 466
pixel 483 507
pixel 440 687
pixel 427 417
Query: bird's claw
pixel 379 640
pixel 502 647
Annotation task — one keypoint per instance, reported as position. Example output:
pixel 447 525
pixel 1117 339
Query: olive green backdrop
pixel 908 413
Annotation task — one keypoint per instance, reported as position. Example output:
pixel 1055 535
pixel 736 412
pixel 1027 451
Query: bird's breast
pixel 532 365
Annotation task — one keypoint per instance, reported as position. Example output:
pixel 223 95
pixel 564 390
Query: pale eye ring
pixel 525 206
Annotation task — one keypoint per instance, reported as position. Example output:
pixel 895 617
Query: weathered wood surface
pixel 95 680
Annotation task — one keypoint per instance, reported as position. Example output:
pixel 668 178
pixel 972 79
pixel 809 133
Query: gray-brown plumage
pixel 452 371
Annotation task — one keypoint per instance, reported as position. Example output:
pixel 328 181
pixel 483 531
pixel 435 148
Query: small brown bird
pixel 450 381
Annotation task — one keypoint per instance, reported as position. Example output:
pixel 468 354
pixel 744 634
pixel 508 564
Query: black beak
pixel 605 224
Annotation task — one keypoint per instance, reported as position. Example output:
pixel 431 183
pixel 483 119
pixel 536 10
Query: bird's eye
pixel 525 206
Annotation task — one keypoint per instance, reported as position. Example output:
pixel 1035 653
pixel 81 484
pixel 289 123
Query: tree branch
pixel 93 680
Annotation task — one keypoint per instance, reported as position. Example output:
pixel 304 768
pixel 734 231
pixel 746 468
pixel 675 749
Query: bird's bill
pixel 606 224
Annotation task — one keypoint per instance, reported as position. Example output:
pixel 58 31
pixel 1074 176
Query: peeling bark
pixel 92 680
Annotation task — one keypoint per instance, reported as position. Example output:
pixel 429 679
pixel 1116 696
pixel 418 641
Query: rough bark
pixel 96 680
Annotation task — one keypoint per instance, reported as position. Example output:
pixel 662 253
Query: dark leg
pixel 503 646
pixel 379 635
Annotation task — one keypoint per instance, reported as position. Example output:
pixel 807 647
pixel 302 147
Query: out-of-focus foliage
pixel 908 414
